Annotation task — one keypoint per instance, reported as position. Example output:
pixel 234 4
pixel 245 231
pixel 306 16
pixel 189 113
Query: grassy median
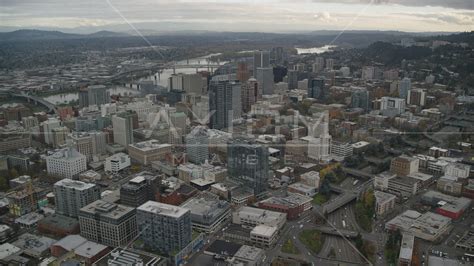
pixel 289 247
pixel 312 239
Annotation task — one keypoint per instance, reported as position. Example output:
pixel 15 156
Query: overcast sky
pixel 242 15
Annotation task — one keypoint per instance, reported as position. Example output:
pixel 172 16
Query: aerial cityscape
pixel 239 133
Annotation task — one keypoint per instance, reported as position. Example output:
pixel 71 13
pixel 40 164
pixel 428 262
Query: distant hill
pixel 105 34
pixel 26 35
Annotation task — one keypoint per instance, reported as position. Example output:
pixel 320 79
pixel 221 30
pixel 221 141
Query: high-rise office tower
pixel 59 136
pixel 243 73
pixel 319 139
pixel 248 163
pixel 404 88
pixel 417 97
pixel 329 64
pixel 84 143
pixel 123 128
pixel 48 127
pixel 93 95
pixel 165 228
pixel 261 59
pixel 197 145
pixel 278 55
pixel 318 65
pixel 72 195
pixel 316 89
pixel 251 93
pixel 265 80
pixel 224 103
pixel 292 79
pixel 360 98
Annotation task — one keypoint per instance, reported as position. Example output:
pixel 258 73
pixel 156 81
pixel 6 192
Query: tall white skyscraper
pixel 123 129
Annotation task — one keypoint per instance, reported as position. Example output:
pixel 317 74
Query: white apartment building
pixel 66 163
pixel 117 162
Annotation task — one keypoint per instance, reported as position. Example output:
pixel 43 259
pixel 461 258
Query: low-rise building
pixel 148 151
pixel 310 178
pixel 208 212
pixel 58 225
pixel 250 217
pixel 458 170
pixel 294 204
pixel 302 189
pixel 384 202
pixel 264 235
pixel 130 256
pixel 446 205
pixel 341 150
pixel 33 245
pixel 404 165
pixel 428 226
pixel 117 162
pixel 403 186
pixel 406 250
pixel 450 185
pixel 29 220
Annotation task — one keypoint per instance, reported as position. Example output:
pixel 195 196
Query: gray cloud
pixel 456 4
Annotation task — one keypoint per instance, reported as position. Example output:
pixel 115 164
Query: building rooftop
pixel 421 176
pixel 206 207
pixel 33 243
pixel 290 200
pixel 261 215
pixel 382 197
pixel 264 230
pixel 163 209
pixel 222 247
pixel 70 242
pixel 66 154
pixel 59 221
pixel 74 184
pixel 29 218
pixel 406 248
pixel 302 187
pixel 428 224
pixel 89 249
pixel 150 145
pixel 249 253
pixel 447 202
pixel 107 209
pixel 121 257
pixel 360 144
pixel 8 249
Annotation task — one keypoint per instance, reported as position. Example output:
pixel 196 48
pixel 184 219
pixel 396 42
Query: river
pixel 161 80
pixel 74 96
pixel 315 50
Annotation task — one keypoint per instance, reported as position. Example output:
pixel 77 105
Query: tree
pixel 3 183
pixel 14 173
